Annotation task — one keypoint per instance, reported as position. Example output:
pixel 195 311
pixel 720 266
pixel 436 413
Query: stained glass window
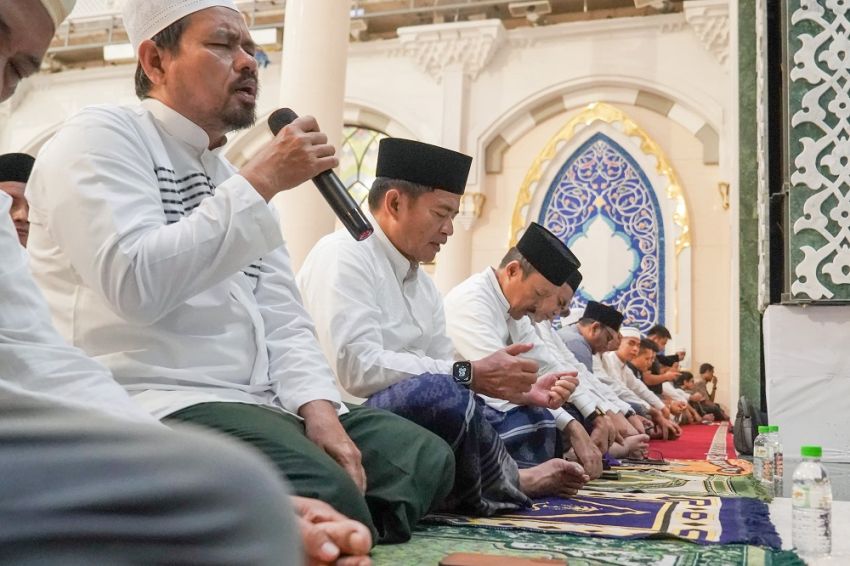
pixel 358 157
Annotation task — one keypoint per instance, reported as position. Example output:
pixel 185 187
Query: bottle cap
pixel 763 429
pixel 811 451
pixel 773 428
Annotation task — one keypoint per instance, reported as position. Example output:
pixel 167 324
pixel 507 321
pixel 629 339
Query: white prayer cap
pixel 143 19
pixel 629 332
pixel 58 9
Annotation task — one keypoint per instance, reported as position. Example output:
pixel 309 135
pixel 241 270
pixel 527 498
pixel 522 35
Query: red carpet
pixel 695 443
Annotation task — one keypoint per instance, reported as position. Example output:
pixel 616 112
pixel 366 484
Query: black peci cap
pixel 547 254
pixel 15 167
pixel 609 316
pixel 423 164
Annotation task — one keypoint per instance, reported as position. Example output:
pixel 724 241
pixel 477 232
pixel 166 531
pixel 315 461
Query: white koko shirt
pixel 615 368
pixel 35 362
pixel 379 318
pixel 478 323
pixel 164 264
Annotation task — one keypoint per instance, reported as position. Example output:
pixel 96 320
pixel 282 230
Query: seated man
pixel 15 171
pixel 162 261
pixel 706 377
pixel 641 364
pixel 614 369
pixel 76 452
pixel 597 332
pixel 533 284
pixel 684 399
pixel 664 368
pixel 380 319
pixel 700 400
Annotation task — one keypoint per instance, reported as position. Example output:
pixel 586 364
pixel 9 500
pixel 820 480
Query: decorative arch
pixel 635 205
pixel 601 199
pixel 700 117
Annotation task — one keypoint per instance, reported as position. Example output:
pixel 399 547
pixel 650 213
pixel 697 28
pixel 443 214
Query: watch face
pixel 462 372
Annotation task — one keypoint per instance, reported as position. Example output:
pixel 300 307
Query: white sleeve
pixel 639 387
pixel 34 357
pixel 295 360
pixel 95 188
pixel 341 291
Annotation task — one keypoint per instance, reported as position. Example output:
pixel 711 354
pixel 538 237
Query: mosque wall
pixel 500 95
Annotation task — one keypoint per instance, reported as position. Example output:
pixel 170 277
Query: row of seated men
pixel 164 267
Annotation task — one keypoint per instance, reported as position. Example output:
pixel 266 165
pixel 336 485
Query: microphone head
pixel 280 118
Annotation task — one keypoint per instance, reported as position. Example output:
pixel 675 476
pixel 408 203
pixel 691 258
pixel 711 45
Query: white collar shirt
pixel 479 323
pixel 35 362
pixel 608 398
pixel 378 316
pixel 617 369
pixel 165 265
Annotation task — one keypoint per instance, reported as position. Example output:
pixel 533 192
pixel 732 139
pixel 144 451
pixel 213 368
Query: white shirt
pixel 378 317
pixel 162 263
pixel 479 324
pixel 35 362
pixel 609 400
pixel 617 369
pixel 674 393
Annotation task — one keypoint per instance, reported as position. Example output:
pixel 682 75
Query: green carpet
pixel 431 543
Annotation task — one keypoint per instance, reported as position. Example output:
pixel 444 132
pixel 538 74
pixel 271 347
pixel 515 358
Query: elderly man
pixel 381 320
pixel 15 169
pixel 533 284
pixel 164 262
pixel 76 452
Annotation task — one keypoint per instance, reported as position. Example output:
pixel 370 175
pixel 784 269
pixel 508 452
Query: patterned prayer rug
pixel 718 467
pixel 704 520
pixel 673 482
pixel 431 543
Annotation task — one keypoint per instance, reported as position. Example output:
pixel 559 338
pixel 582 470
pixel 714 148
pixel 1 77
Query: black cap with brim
pixel 15 167
pixel 609 316
pixel 423 164
pixel 547 254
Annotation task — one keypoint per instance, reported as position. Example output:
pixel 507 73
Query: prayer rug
pixel 704 520
pixel 719 467
pixel 671 482
pixel 698 442
pixel 430 543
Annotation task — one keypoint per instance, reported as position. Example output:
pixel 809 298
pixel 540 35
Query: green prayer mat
pixel 673 483
pixel 431 543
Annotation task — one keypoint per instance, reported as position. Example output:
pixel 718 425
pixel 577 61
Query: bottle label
pixel 760 452
pixel 811 497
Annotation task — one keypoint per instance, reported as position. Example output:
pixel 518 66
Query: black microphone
pixel 330 186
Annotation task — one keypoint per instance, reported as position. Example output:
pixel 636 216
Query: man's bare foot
pixel 635 446
pixel 554 477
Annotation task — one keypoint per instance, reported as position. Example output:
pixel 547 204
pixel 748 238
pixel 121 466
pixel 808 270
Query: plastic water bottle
pixel 760 455
pixel 778 463
pixel 811 500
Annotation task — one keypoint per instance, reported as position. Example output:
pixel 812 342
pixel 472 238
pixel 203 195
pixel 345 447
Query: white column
pixel 453 261
pixel 315 55
pixel 453 54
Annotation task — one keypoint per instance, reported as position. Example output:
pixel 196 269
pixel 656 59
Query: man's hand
pixel 325 431
pixel 696 397
pixel 552 390
pixel 586 451
pixel 669 375
pixel 504 374
pixel 297 153
pixel 330 537
pixel 601 434
pixel 624 427
pixel 640 423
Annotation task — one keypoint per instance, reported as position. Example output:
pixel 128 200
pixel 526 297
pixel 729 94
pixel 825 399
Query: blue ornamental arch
pixel 601 181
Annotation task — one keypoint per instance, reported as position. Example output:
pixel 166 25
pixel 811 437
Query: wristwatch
pixel 462 373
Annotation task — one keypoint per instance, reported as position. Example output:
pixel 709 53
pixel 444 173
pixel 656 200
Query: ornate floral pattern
pixel 819 106
pixel 602 181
